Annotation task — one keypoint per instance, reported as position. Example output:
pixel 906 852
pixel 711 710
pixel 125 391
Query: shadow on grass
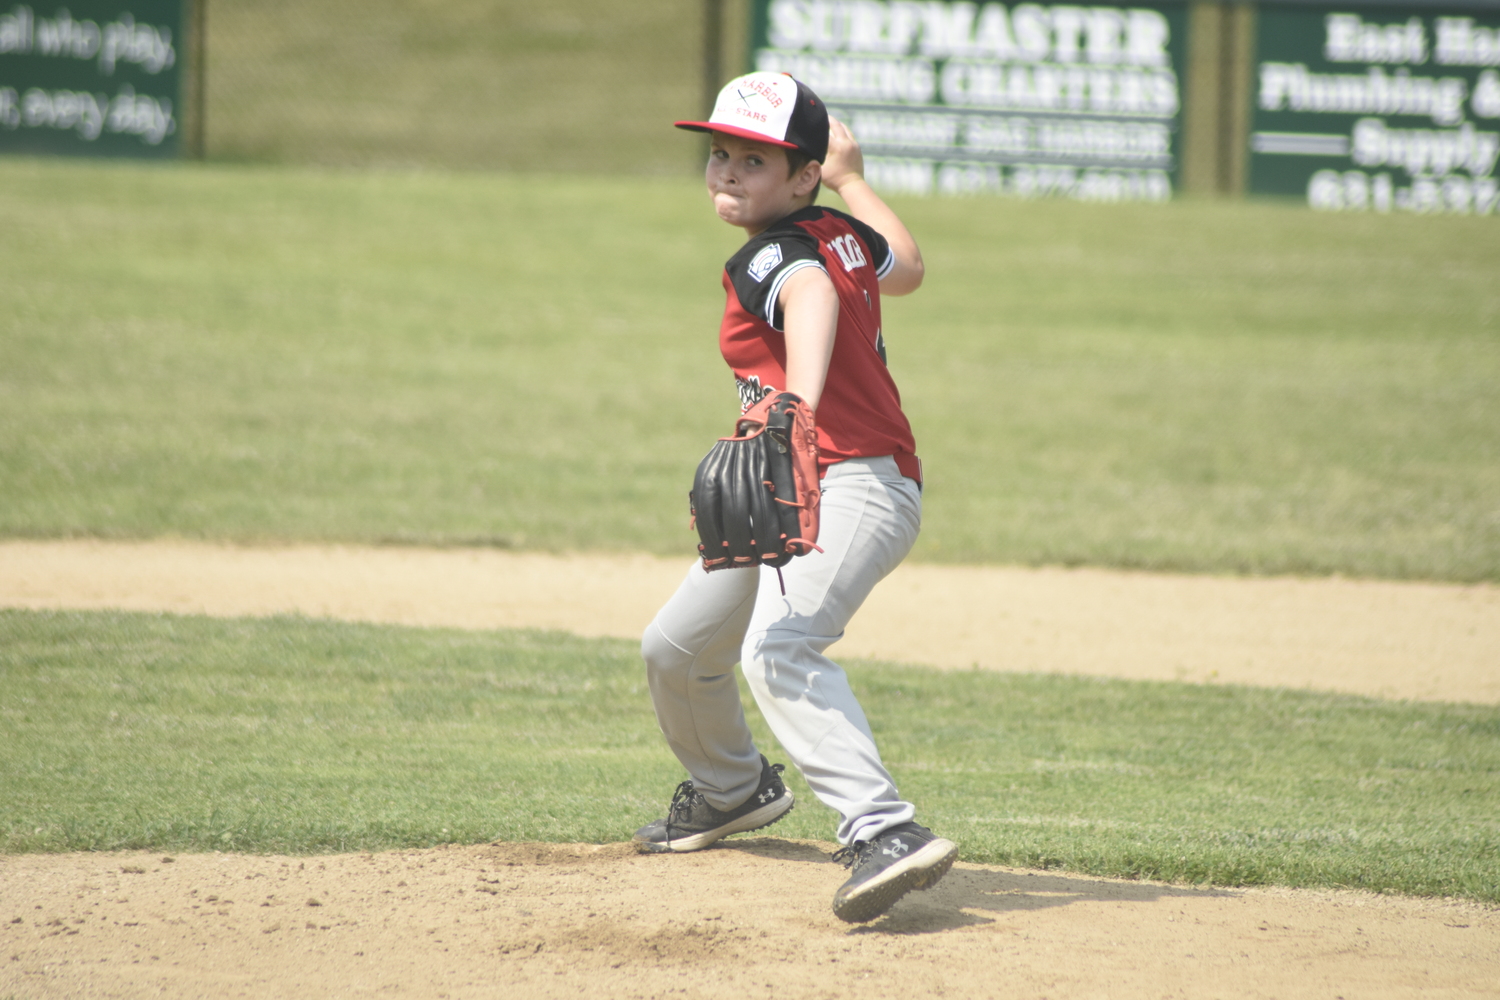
pixel 951 904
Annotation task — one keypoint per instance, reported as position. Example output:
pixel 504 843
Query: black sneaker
pixel 692 824
pixel 901 859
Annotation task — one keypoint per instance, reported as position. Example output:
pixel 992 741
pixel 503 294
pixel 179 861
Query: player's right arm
pixel 844 173
pixel 811 310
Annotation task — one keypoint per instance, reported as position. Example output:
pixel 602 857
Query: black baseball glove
pixel 755 496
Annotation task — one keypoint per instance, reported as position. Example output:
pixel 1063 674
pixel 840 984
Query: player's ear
pixel 808 178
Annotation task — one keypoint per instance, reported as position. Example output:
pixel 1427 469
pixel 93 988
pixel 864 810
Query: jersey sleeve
pixel 762 266
pixel 880 248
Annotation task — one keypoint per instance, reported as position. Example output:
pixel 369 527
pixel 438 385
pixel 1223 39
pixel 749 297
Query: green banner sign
pixel 1378 109
pixel 963 98
pixel 91 78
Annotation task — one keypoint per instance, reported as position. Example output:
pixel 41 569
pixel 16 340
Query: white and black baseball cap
pixel 770 107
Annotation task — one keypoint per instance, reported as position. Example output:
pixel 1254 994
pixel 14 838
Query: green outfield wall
pixel 1352 107
pixel 1377 108
pixel 1363 107
pixel 963 98
pixel 92 78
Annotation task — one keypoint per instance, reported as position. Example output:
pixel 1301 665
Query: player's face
pixel 748 182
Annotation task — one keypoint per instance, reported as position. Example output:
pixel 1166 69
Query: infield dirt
pixel 751 917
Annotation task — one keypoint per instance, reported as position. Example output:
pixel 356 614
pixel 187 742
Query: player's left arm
pixel 844 173
pixel 810 319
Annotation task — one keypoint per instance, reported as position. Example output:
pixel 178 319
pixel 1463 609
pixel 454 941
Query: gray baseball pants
pixel 869 519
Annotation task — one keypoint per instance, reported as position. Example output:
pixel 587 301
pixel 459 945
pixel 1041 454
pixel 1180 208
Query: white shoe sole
pixel 762 817
pixel 921 870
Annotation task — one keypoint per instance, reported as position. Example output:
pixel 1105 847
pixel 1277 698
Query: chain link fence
pixel 567 85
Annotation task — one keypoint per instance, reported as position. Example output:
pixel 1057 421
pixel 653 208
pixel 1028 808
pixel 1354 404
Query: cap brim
pixel 743 133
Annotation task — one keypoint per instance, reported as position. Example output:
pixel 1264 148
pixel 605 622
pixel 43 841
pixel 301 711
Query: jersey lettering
pixel 847 247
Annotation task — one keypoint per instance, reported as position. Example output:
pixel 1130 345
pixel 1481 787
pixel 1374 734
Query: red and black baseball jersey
pixel 860 413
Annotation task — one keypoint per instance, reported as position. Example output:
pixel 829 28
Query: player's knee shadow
pixel 967 897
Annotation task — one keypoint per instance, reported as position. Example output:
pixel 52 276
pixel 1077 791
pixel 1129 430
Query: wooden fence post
pixel 1221 56
pixel 195 110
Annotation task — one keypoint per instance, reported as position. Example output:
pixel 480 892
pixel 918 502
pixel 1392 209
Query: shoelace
pixel 849 856
pixel 682 802
pixel 687 796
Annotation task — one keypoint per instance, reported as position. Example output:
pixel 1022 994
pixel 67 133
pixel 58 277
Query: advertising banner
pixel 1378 108
pixel 91 78
pixel 968 98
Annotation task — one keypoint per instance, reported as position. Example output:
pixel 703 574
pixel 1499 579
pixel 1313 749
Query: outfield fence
pixel 1369 105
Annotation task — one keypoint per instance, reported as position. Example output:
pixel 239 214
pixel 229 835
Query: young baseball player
pixel 802 316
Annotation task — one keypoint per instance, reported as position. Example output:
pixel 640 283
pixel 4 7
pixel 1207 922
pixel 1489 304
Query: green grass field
pixel 255 354
pixel 297 736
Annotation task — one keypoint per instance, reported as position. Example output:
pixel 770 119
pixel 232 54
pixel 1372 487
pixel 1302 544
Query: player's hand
pixel 844 162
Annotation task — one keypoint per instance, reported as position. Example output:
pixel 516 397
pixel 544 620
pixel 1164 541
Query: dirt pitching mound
pixel 749 918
